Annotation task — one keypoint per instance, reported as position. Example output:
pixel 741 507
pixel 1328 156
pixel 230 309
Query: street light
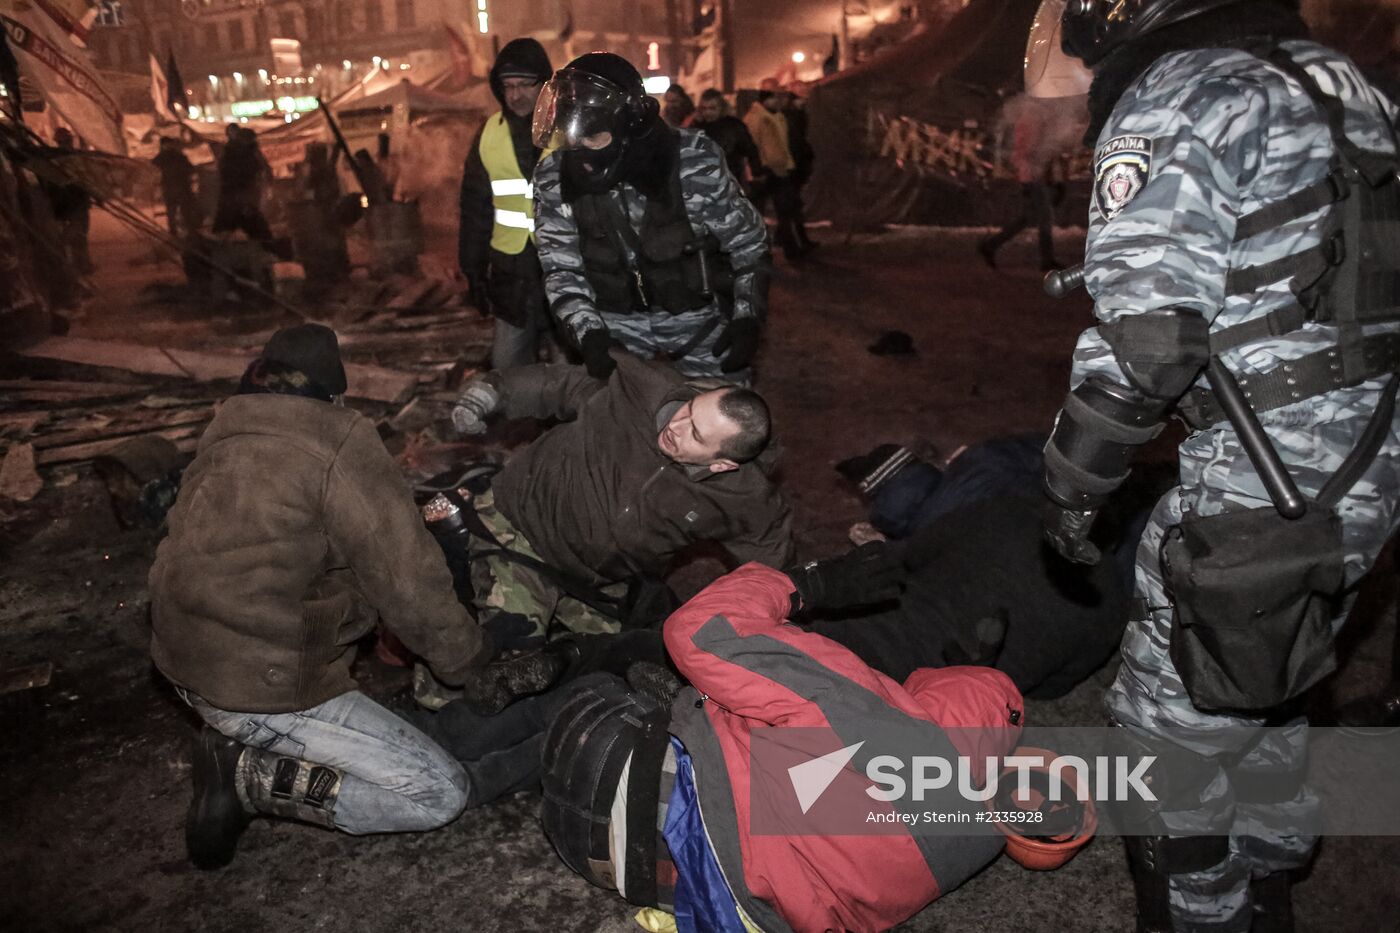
pixel 799 57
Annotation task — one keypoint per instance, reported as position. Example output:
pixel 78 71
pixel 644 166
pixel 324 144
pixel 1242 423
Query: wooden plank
pixel 184 437
pixel 126 427
pixel 70 387
pixel 368 382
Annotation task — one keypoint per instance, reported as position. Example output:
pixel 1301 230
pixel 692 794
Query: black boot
pixel 1147 864
pixel 1272 897
pixel 655 680
pixel 500 683
pixel 216 817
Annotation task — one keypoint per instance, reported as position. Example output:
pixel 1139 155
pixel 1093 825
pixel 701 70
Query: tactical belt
pixel 1296 380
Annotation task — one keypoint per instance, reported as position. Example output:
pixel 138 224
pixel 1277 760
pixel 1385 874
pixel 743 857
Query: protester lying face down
pixel 293 534
pixel 981 587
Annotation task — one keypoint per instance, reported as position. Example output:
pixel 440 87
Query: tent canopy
pixel 899 139
pixel 411 97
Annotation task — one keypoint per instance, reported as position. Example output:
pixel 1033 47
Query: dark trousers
pixel 791 233
pixel 1036 208
pixel 181 214
pixel 242 214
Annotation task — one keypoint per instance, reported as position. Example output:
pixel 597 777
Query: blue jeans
pixel 393 777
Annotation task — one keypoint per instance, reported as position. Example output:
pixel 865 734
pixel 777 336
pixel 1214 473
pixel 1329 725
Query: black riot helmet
pixel 594 94
pixel 1094 28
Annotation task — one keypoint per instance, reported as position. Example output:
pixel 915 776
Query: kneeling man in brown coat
pixel 294 532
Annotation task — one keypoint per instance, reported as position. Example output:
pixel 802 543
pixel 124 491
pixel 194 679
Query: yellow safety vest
pixel 511 192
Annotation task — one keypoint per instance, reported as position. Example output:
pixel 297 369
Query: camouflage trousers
pixel 1148 696
pixel 516 603
pixel 692 334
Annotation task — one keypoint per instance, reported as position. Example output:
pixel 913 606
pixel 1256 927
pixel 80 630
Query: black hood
pixel 522 55
pixel 644 162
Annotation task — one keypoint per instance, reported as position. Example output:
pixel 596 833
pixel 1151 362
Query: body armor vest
pixel 664 267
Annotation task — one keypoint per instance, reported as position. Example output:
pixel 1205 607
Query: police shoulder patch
pixel 1121 168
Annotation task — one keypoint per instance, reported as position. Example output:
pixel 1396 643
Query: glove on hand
pixel 478 400
pixel 737 345
pixel 869 574
pixel 476 295
pixel 1067 531
pixel 594 347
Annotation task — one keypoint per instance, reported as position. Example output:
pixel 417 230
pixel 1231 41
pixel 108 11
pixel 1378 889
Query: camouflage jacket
pixel 713 203
pixel 1200 139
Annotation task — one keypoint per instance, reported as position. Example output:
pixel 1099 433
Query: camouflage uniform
pixel 1200 139
pixel 517 601
pixel 713 203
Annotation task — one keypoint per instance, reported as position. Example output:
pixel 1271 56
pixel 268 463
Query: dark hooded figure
pixel 496 243
pixel 242 174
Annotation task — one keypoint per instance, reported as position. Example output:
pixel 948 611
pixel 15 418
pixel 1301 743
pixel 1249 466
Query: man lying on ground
pixel 610 765
pixel 980 576
pixel 644 465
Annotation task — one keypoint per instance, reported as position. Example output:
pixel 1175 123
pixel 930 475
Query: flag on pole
pixel 43 39
pixel 160 92
pixel 176 97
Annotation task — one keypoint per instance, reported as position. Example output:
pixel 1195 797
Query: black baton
pixel 1060 282
pixel 1286 498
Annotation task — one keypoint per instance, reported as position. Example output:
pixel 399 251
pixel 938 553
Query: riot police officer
pixel 644 235
pixel 1241 248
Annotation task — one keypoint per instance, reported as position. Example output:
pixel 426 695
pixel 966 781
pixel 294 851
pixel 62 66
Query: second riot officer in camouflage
pixel 1244 225
pixel 643 233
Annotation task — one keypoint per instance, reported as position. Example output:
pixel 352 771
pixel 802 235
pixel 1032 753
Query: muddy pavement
pixel 94 766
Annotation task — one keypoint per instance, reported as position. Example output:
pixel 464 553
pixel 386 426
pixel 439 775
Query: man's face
pixel 597 140
pixel 709 110
pixel 774 102
pixel 697 431
pixel 520 95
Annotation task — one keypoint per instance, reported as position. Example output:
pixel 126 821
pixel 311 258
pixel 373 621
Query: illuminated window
pixel 110 13
pixel 653 56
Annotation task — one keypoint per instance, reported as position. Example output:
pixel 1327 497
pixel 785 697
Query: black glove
pixel 869 574
pixel 594 348
pixel 477 296
pixel 1067 531
pixel 736 346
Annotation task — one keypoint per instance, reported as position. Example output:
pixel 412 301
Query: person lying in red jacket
pixel 741 841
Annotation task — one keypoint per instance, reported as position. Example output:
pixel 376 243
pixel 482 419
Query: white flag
pixel 50 57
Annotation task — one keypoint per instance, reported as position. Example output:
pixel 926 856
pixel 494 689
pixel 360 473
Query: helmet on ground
pixel 1063 822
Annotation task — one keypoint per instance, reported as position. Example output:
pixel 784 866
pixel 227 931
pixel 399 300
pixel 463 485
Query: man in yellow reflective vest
pixel 496 242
